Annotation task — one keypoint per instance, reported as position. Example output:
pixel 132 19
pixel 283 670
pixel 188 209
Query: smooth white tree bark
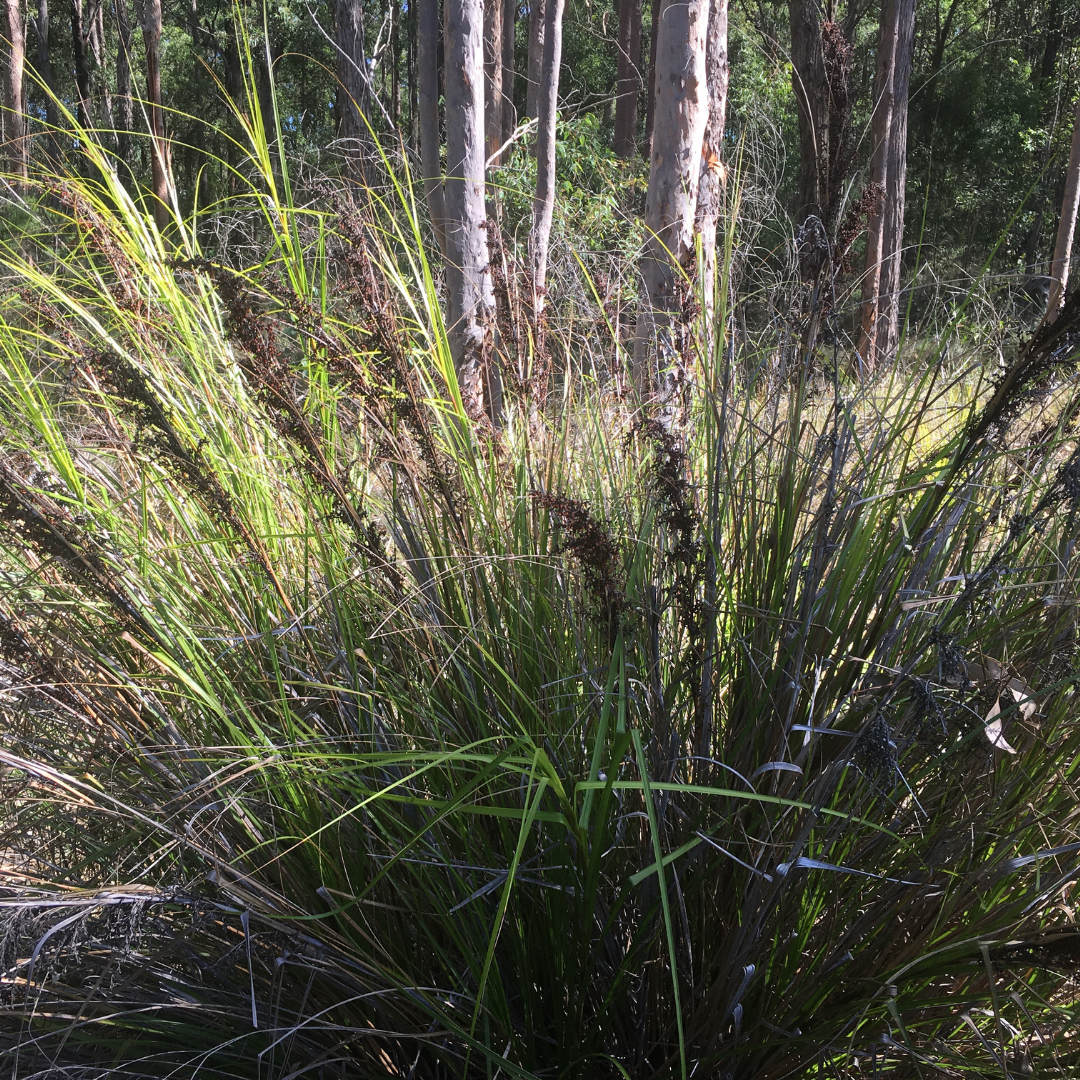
pixel 892 248
pixel 1059 267
pixel 470 294
pixel 544 199
pixel 711 183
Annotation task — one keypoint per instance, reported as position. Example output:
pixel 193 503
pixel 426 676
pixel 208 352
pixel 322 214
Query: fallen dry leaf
pixel 993 729
pixel 1022 696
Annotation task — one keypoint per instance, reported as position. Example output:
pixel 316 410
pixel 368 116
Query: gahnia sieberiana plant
pixel 344 737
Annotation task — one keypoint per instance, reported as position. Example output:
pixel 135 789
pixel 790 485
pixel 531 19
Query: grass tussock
pixel 342 738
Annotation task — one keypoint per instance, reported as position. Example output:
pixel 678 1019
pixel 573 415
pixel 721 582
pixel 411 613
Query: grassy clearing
pixel 341 738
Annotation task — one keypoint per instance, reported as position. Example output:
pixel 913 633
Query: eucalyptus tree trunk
pixel 493 78
pixel 711 183
pixel 427 50
pixel 159 153
pixel 395 63
pixel 681 115
pixel 872 333
pixel 650 96
pixel 470 292
pixel 126 108
pixel 892 248
pixel 95 39
pixel 410 76
pixel 509 113
pixel 354 105
pixel 537 22
pixel 82 70
pixel 810 85
pixel 628 85
pixel 40 26
pixel 16 148
pixel 544 199
pixel 1059 267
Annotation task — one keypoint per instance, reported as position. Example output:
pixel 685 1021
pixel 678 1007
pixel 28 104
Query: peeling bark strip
pixel 14 121
pixel 681 115
pixel 470 294
pixel 544 200
pixel 1059 268
pixel 427 47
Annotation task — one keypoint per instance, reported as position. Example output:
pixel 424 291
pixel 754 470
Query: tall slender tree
pixel 892 247
pixel 126 109
pixel 470 291
pixel 544 199
pixel 681 117
pixel 810 85
pixel 354 104
pixel 628 85
pixel 427 48
pixel 493 78
pixel 650 95
pixel 537 22
pixel 395 62
pixel 879 169
pixel 83 91
pixel 509 113
pixel 159 151
pixel 43 65
pixel 1059 265
pixel 411 76
pixel 711 182
pixel 16 148
pixel 879 329
pixel 99 65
